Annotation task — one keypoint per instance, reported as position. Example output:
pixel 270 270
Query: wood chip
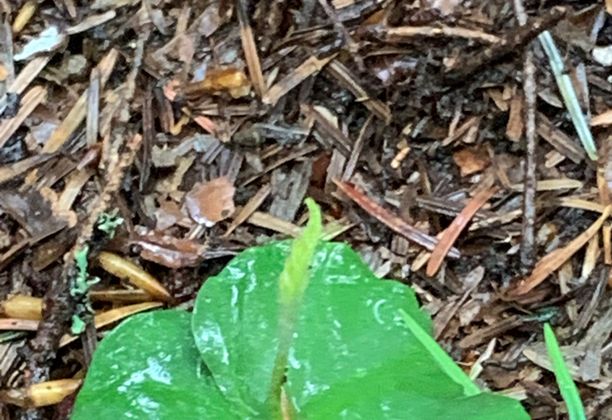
pixel 309 67
pixel 30 101
pixel 605 118
pixel 327 131
pixel 558 139
pixel 167 250
pixel 24 15
pixel 515 126
pixel 471 160
pixel 217 81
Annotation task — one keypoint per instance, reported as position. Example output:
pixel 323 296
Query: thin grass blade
pixel 567 387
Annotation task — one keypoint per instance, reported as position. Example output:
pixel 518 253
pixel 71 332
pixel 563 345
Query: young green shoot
pixel 292 284
pixel 567 387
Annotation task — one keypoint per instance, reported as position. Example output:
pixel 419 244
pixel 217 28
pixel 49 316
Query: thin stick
pixel 250 50
pixel 530 179
pixel 93 108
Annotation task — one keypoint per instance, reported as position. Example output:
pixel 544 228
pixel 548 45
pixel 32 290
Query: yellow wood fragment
pixel 23 17
pixel 42 394
pixel 22 307
pixel 134 274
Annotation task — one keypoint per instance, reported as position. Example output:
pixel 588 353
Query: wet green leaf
pixel 352 354
pixel 310 316
pixel 148 368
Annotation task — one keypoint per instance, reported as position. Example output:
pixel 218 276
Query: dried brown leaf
pixel 212 201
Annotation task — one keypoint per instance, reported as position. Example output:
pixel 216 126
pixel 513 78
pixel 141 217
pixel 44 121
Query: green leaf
pixel 149 368
pixel 567 387
pixel 352 355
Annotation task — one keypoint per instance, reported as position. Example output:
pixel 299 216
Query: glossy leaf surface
pixel 149 368
pixel 352 354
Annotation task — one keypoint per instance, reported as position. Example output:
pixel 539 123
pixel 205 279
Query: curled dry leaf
pixel 169 251
pixel 210 202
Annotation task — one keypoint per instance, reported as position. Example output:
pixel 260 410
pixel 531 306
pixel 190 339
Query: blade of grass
pixel 567 387
pixel 444 361
pixel 568 93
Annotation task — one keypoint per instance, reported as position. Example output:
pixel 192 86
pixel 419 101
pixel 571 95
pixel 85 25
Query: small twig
pixel 529 210
pixel 92 122
pixel 409 33
pixel 510 44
